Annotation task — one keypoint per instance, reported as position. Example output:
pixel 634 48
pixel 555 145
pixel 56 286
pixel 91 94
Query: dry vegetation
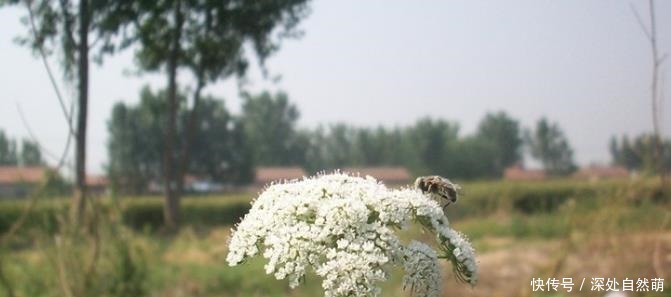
pixel 618 232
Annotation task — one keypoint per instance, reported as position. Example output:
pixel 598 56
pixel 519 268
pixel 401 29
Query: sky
pixel 585 64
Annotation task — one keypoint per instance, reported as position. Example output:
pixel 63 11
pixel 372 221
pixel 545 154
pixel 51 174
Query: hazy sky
pixel 583 63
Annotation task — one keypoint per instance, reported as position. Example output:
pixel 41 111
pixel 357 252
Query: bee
pixel 440 188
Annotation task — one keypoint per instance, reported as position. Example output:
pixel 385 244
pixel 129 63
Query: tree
pixel 31 154
pixel 220 147
pixel 623 153
pixel 329 148
pixel 640 153
pixel 474 157
pixel 206 38
pixel 135 144
pixel 432 143
pixel 548 145
pixel 503 132
pixel 65 27
pixel 269 123
pixel 8 155
pixel 650 32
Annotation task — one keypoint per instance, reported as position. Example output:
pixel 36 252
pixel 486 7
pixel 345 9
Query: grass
pixel 510 230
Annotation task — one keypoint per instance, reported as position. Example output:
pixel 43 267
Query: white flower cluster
pixel 422 271
pixel 342 227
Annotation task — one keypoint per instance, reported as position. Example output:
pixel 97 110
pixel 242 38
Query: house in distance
pixel 17 182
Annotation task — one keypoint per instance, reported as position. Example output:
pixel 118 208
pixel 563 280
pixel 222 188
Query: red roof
pixel 15 174
pixel 597 171
pixel 517 172
pixel 96 181
pixel 386 174
pixel 266 175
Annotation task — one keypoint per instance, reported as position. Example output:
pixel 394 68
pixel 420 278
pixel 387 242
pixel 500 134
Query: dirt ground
pixel 507 266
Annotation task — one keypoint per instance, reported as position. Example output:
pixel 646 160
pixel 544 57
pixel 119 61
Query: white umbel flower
pixel 422 271
pixel 341 226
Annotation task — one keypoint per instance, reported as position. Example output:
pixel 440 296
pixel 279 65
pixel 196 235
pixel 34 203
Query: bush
pixel 143 213
pixel 136 212
pixel 478 200
pixel 486 198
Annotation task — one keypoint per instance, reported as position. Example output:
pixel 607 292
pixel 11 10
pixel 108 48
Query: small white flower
pixel 341 226
pixel 422 272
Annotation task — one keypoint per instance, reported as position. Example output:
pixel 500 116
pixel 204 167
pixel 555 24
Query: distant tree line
pixel 28 154
pixel 638 153
pixel 226 147
pixel 136 143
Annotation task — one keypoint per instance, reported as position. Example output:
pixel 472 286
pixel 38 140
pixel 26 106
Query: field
pixel 521 231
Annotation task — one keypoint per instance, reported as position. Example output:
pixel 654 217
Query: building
pixel 388 175
pixel 598 172
pixel 97 184
pixel 16 182
pixel 519 173
pixel 266 175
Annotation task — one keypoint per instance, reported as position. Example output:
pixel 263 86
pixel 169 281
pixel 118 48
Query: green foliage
pixel 135 142
pixel 137 134
pixel 211 33
pixel 145 263
pixel 128 270
pixel 432 141
pixel 99 260
pixel 549 145
pixel 423 147
pixel 474 157
pixel 639 153
pixel 56 185
pixel 137 212
pixel 269 123
pixel 219 149
pixel 224 147
pixel 481 199
pixel 8 155
pixel 430 146
pixel 530 198
pixel 505 135
pixel 28 154
pixel 147 213
pixel 558 208
pixel 57 25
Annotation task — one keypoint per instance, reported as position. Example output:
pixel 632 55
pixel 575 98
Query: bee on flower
pixel 343 227
pixel 440 188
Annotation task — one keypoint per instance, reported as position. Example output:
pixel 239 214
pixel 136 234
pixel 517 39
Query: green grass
pixel 480 199
pixel 192 263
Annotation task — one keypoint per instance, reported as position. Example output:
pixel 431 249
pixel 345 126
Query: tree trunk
pixel 189 132
pixel 656 61
pixel 171 188
pixel 80 195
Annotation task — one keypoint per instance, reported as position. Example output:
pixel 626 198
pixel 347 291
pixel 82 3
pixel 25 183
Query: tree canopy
pixel 639 153
pixel 28 154
pixel 135 145
pixel 505 137
pixel 548 144
pixel 208 39
pixel 269 123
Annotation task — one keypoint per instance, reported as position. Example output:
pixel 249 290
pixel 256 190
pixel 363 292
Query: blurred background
pixel 134 135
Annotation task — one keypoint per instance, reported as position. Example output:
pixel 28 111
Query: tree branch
pixel 68 116
pixel 67 25
pixel 640 21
